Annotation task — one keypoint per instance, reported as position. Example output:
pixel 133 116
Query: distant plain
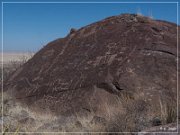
pixel 8 57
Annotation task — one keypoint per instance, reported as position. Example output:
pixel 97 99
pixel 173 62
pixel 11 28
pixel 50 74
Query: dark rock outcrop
pixel 120 57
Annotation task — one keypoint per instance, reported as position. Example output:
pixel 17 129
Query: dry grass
pixel 134 117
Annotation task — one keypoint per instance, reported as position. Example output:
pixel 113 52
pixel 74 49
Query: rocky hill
pixel 123 68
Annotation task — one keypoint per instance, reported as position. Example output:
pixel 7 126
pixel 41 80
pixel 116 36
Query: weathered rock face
pixel 122 56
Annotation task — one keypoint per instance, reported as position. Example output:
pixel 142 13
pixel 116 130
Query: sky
pixel 30 26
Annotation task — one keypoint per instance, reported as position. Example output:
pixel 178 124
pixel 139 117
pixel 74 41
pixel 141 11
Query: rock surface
pixel 107 63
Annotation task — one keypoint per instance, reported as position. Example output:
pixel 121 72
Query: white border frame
pixel 88 2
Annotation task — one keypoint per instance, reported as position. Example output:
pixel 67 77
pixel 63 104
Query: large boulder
pixel 125 63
